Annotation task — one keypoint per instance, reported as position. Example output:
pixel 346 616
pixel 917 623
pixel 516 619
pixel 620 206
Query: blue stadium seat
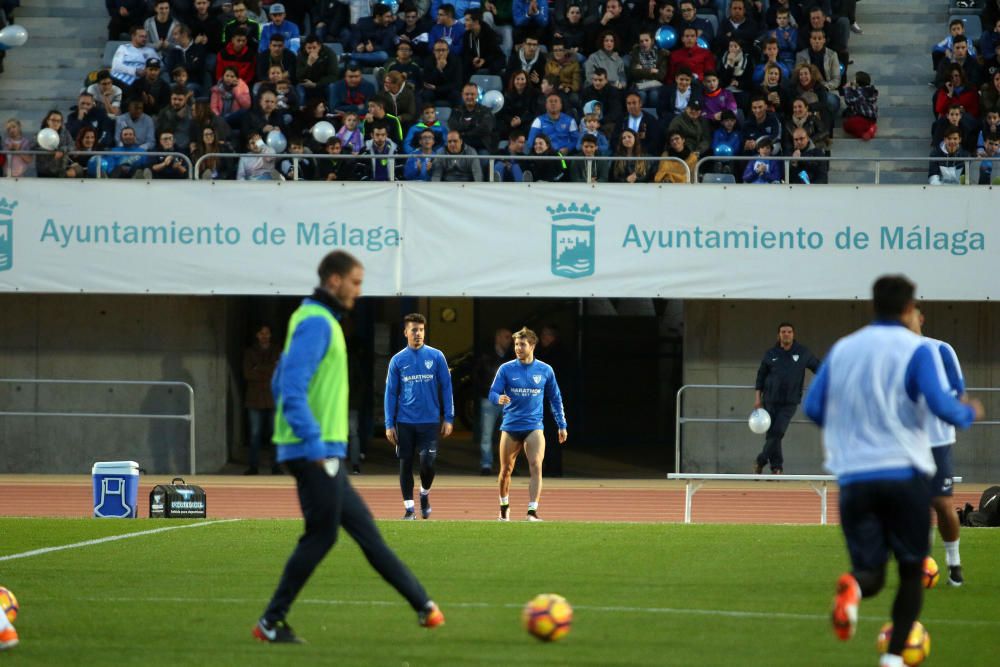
pixel 487 81
pixel 370 78
pixel 652 112
pixel 109 52
pixel 337 48
pixel 443 113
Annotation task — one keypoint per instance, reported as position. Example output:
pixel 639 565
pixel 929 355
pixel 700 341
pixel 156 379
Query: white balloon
pixel 276 140
pixel 13 35
pixel 322 131
pixel 493 100
pixel 759 421
pixel 48 139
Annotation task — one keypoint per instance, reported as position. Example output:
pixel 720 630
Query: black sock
pixel 907 605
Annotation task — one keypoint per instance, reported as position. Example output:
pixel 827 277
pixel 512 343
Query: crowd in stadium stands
pixel 966 101
pixel 579 77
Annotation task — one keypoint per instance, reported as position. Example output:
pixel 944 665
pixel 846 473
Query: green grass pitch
pixel 643 594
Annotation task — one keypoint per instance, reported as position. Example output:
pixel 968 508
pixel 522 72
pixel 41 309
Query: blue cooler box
pixel 116 489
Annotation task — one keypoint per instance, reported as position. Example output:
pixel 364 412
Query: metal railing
pixel 188 416
pixel 115 155
pixel 680 419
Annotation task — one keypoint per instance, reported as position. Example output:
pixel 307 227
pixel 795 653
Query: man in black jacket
pixel 481 52
pixel 779 391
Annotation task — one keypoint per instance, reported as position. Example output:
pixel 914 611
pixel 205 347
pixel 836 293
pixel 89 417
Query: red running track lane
pixel 466 499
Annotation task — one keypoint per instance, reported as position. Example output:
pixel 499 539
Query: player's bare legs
pixel 509 449
pixel 534 451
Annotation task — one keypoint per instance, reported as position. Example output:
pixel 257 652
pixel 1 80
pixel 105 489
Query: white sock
pixel 408 504
pixel 532 506
pixel 951 553
pixel 424 491
pixel 891 660
pixel 505 500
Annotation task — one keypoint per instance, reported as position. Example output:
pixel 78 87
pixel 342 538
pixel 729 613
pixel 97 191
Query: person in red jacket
pixel 692 56
pixel 236 53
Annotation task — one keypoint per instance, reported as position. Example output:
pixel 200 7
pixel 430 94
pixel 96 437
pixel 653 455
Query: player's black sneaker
pixel 505 513
pixel 275 633
pixel 533 515
pixel 955 575
pixel 425 506
pixel 757 468
pixel 410 515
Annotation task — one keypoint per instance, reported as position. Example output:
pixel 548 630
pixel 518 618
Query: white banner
pixel 425 239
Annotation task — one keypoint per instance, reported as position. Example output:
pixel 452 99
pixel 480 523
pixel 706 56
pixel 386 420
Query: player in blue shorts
pixel 417 386
pixel 871 397
pixel 942 435
pixel 522 386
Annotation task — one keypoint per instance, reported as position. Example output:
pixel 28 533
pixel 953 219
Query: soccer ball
pixel 931 573
pixel 548 617
pixel 917 647
pixel 8 603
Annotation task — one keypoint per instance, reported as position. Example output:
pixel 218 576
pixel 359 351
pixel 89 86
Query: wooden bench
pixel 694 481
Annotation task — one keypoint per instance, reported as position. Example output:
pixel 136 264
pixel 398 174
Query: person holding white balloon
pixel 258 167
pixel 778 390
pixel 53 137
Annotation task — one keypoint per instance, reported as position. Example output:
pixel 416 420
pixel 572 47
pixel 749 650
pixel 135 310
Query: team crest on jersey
pixel 795 357
pixel 429 364
pixel 536 378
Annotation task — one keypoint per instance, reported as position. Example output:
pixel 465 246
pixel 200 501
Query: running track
pixel 468 498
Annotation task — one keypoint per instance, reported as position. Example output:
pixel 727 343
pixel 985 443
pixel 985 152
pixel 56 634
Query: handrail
pixel 788 159
pixel 188 417
pixel 107 153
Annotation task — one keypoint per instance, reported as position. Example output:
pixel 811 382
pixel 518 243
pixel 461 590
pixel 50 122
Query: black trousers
pixel 327 503
pixel 781 416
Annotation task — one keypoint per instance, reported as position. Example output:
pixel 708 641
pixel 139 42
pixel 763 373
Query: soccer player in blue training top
pixel 942 435
pixel 417 385
pixel 310 436
pixel 522 386
pixel 871 396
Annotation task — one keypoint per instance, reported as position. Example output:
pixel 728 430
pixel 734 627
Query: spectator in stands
pixel 481 52
pixel 123 165
pixel 338 170
pixel 991 125
pixel 106 94
pixel 150 88
pixel 737 26
pixel 608 96
pixel 419 165
pixel 258 167
pixel 177 119
pixel 231 97
pixel 316 69
pixel 350 133
pixel 190 55
pixel 763 170
pixel 786 35
pixel 570 30
pixel 160 27
pixel 665 16
pixel 694 127
pixel 989 43
pixel 991 67
pixel 715 99
pixel 676 96
pixel 442 77
pixel 691 56
pixel 627 168
pixel 827 63
pixel 737 72
pixel 373 38
pixel 955 118
pixel 242 21
pixel 129 62
pixel 727 135
pixel 86 113
pixel 265 117
pixel 591 126
pixel 14 140
pixel 960 56
pixel 509 170
pixel 796 18
pixel 206 29
pixel 474 122
pixel 315 169
pixel 411 24
pixel 861 107
pixel 837 32
pixel 352 92
pixel 167 166
pixel 564 65
pixel 380 166
pixel 275 53
pixel 214 168
pixel 810 121
pixel 529 59
pixel 405 64
pixel 608 59
pixel 944 50
pixel 599 169
pixel 761 124
pixel 559 127
pixel 530 17
pixel 950 168
pixel 803 169
pixel 671 171
pixel 330 20
pixel 614 20
pixel 956 89
pixel 519 106
pixel 645 126
pixel 124 15
pixel 807 83
pixel 991 154
pixel 78 159
pixel 203 117
pixel 279 25
pixel 378 116
pixel 991 13
pixel 990 95
pixel 648 66
pixel 448 166
pixel 237 54
pixel 690 19
pixel 143 130
pixel 400 98
pixel 546 170
pixel 771 59
pixel 428 121
pixel 447 29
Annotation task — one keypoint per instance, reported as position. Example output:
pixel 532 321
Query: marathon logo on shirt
pixel 525 391
pixel 423 377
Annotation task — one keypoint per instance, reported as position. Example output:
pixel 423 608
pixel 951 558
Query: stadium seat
pixel 370 78
pixel 718 178
pixel 443 113
pixel 109 52
pixel 652 112
pixel 954 8
pixel 713 19
pixel 337 48
pixel 487 81
pixel 973 28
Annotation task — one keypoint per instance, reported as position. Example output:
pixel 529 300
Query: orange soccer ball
pixel 548 617
pixel 917 647
pixel 931 573
pixel 8 603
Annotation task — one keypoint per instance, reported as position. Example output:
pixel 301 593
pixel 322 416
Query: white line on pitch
pixel 110 538
pixel 592 608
